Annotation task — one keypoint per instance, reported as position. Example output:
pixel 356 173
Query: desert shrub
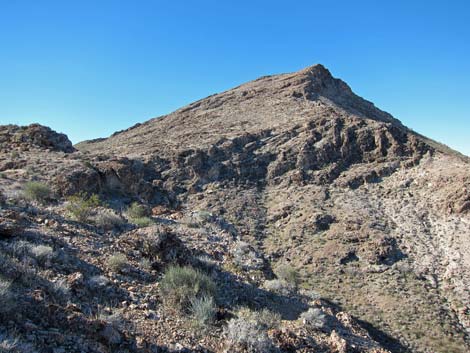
pixel 61 289
pixel 248 334
pixel 88 164
pixel 310 294
pixel 4 287
pixel 206 263
pixel 269 319
pixel 114 319
pixel 42 253
pixel 117 262
pixel 20 249
pixel 203 311
pixel 81 206
pixel 142 222
pixel 203 216
pixel 246 258
pixel 108 220
pixel 265 318
pixel 137 210
pixel 288 274
pixel 98 282
pixel 197 219
pixel 146 264
pixel 278 286
pixel 138 215
pixel 314 317
pixel 36 191
pixel 181 284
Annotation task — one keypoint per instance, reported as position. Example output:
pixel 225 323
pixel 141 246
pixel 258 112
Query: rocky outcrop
pixel 33 136
pixel 458 200
pixel 317 152
pixel 116 176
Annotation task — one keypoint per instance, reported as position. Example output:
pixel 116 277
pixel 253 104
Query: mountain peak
pixel 318 80
pixel 269 103
pixel 315 70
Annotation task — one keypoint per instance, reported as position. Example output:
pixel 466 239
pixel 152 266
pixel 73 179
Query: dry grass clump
pixel 289 275
pixel 108 220
pixel 42 253
pixel 137 210
pixel 203 310
pixel 138 215
pixel 246 257
pixel 36 191
pixel 279 287
pixel 142 222
pixel 117 262
pixel 314 317
pixel 181 284
pixel 248 331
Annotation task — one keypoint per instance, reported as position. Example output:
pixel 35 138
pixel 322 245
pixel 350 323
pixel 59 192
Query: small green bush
pixel 138 214
pixel 82 206
pixel 142 222
pixel 117 262
pixel 137 210
pixel 35 191
pixel 180 285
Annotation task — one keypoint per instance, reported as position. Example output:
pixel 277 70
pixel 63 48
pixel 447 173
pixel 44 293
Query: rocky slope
pixel 289 169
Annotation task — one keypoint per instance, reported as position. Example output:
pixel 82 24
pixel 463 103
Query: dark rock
pixel 35 135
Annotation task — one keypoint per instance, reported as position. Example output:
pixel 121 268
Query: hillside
pixel 291 192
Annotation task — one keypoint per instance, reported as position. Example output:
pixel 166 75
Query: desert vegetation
pixel 36 191
pixel 138 215
pixel 182 284
pixel 82 206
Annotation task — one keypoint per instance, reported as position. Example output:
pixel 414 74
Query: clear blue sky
pixel 89 68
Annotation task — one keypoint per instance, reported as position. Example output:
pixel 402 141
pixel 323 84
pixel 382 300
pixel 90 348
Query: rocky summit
pixel 287 214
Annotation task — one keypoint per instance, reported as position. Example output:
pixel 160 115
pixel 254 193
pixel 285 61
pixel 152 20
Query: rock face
pixel 34 135
pixel 121 176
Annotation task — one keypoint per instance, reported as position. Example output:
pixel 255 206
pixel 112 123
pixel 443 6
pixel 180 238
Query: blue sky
pixel 89 68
